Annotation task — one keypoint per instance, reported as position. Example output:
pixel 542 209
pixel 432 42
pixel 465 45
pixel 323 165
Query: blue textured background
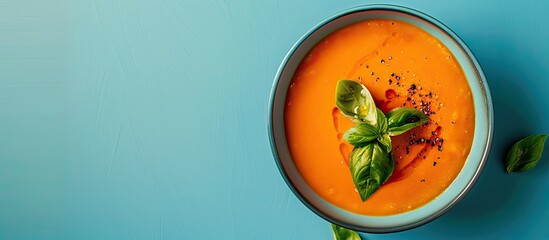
pixel 124 119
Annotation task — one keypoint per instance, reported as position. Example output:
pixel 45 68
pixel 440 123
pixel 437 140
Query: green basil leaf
pixel 370 167
pixel 355 101
pixel 361 134
pixel 381 121
pixel 341 233
pixel 402 119
pixel 525 154
pixel 385 142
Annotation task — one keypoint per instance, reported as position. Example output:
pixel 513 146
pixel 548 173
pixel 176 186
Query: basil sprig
pixel 341 233
pixel 525 154
pixel 371 161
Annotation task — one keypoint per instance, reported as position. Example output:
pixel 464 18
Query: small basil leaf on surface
pixel 341 233
pixel 361 134
pixel 402 119
pixel 385 142
pixel 381 121
pixel 370 167
pixel 355 101
pixel 525 154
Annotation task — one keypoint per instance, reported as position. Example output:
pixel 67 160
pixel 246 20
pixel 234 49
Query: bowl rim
pixel 484 88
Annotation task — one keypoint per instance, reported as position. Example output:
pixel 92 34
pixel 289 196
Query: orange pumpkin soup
pixel 401 65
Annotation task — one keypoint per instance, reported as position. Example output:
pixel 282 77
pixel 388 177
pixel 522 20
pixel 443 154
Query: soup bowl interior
pixel 472 167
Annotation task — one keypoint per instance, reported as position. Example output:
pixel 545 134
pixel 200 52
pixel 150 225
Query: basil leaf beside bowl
pixel 402 119
pixel 361 134
pixel 355 101
pixel 341 233
pixel 370 167
pixel 525 154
